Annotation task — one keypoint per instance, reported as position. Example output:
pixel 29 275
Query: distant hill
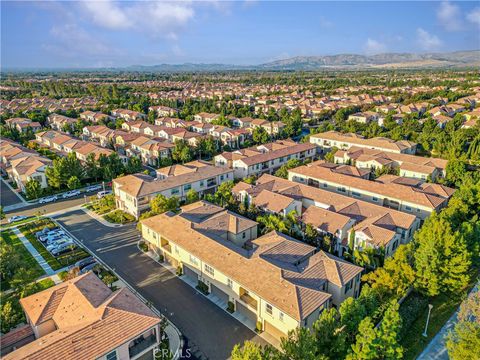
pixel 452 59
pixel 341 61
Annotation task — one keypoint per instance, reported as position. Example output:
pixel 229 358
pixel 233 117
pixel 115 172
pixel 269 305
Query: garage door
pixel 219 293
pixel 242 309
pixel 274 331
pixel 190 273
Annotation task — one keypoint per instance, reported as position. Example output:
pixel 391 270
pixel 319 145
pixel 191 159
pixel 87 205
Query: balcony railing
pixel 142 344
pixel 250 301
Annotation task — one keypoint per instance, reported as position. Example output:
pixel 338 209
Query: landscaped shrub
pixel 410 309
pixel 202 287
pixel 119 217
pixel 230 307
pixel 259 327
pixel 179 270
pixel 143 246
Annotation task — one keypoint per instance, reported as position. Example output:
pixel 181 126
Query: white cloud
pixel 157 18
pixel 449 16
pixel 427 41
pixel 474 16
pixel 373 46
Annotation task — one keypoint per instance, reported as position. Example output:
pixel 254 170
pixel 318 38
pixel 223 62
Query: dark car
pixel 84 262
pixel 88 268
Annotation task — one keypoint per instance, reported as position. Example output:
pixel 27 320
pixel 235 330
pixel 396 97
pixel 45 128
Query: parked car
pixel 58 243
pixel 80 264
pixel 45 231
pixel 93 188
pixel 52 237
pixel 63 248
pixel 101 194
pixel 17 218
pixel 87 268
pixel 70 194
pixel 48 199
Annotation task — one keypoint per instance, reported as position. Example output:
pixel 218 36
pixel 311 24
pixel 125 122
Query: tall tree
pixel 330 338
pixel 33 189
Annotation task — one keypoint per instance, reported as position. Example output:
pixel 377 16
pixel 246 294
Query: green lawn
pixel 28 261
pixel 444 306
pixel 55 263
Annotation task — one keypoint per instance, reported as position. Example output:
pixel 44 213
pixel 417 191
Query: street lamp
pixel 430 306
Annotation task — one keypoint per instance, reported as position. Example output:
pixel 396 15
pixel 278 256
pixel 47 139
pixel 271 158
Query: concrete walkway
pixel 436 349
pixel 31 249
pixel 100 218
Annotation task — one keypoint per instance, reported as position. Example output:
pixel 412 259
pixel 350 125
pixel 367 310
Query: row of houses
pixel 133 193
pixel 332 214
pixel 266 158
pixel 22 164
pixel 23 125
pixel 220 250
pixel 396 192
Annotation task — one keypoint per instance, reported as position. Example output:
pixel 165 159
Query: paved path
pixel 31 249
pixel 210 332
pixel 436 349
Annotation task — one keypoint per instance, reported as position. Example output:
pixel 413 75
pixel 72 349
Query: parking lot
pixel 210 330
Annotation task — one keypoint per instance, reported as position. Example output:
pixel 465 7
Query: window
pixel 221 177
pixel 230 283
pixel 374 198
pixel 112 355
pixel 408 208
pixel 193 260
pixel 187 187
pixel 325 185
pixel 280 316
pixel 202 183
pixel 354 193
pixel 269 309
pixel 348 286
pixel 175 191
pixel 209 270
pixel 341 189
pixel 243 235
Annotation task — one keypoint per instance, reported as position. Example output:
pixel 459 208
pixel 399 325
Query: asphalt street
pixel 208 328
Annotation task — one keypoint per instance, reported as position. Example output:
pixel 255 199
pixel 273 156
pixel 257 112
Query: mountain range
pixel 457 59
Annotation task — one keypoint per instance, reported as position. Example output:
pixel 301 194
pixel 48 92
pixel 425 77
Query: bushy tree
pixel 33 189
pixel 161 204
pixel 73 183
pixel 192 196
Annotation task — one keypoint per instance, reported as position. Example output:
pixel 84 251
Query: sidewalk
pixel 31 249
pixel 436 349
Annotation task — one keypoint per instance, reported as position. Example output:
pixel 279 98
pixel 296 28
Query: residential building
pixel 205 117
pixel 418 200
pixel 29 168
pixel 332 214
pixel 133 193
pixel 163 111
pixel 364 117
pixel 327 140
pixel 128 115
pixel 83 319
pixel 272 281
pixel 413 166
pixel 95 116
pixel 61 122
pixel 23 124
pixel 265 158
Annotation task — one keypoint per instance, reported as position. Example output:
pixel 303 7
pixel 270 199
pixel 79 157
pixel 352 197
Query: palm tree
pixel 271 222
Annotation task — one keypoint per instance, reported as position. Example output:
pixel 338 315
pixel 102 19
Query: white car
pixel 93 188
pixel 58 243
pixel 17 218
pixel 101 194
pixel 70 194
pixel 48 199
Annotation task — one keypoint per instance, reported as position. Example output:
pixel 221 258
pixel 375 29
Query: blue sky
pixel 121 33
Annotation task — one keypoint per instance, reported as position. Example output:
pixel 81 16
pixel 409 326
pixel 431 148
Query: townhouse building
pixel 327 140
pixel 264 158
pixel 205 117
pixel 163 110
pixel 133 193
pixel 411 166
pixel 128 115
pixel 331 214
pixel 150 151
pixel 364 117
pixel 23 124
pixel 419 200
pixel 172 122
pixel 220 251
pixel 271 127
pixel 61 122
pixel 83 319
pixel 95 116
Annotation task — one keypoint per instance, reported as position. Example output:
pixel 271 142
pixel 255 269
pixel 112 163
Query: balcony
pixel 140 344
pixel 250 301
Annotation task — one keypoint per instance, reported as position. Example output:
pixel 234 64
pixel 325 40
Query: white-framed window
pixel 193 260
pixel 209 270
pixel 280 316
pixel 269 309
pixel 187 187
pixel 112 355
